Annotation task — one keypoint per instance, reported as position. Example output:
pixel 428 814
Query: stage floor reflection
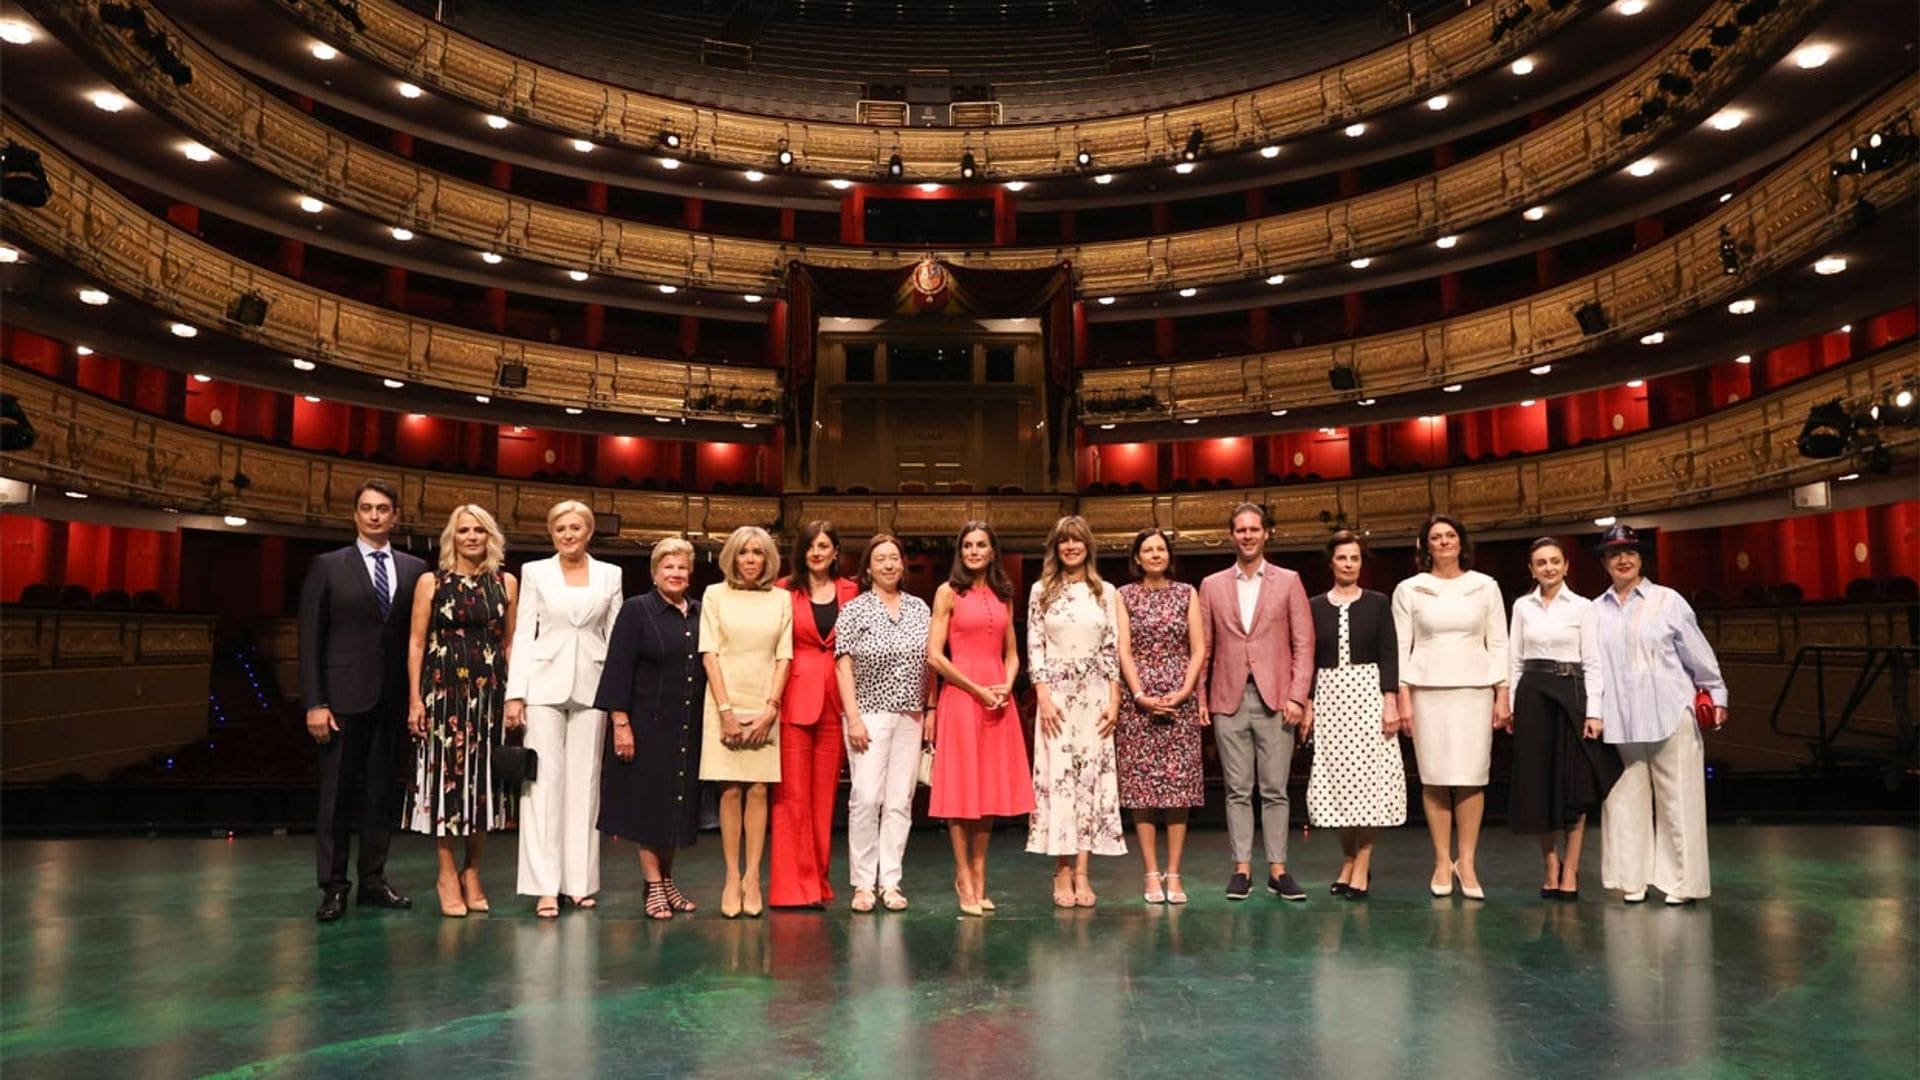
pixel 177 957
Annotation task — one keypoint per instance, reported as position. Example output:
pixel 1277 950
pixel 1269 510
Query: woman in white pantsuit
pixel 567 607
pixel 1653 661
pixel 1451 626
pixel 886 688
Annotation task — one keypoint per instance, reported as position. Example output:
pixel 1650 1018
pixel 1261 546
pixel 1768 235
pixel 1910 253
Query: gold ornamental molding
pixel 94 227
pixel 91 445
pixel 1787 216
pixel 495 80
pixel 106 449
pixel 237 117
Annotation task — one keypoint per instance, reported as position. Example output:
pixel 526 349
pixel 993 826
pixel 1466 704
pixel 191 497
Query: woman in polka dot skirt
pixel 1358 783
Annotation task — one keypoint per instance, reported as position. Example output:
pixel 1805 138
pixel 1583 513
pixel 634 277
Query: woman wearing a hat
pixel 1652 659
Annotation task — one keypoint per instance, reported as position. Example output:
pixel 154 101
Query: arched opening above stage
pixel 929 378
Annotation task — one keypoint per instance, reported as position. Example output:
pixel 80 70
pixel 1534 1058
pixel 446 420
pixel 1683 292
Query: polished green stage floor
pixel 180 957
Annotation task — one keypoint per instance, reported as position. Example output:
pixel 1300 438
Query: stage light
pixel 311 205
pixel 1643 168
pixel 1191 420
pixel 895 167
pixel 1103 179
pixel 1742 307
pixel 1361 263
pixel 1278 412
pixel 183 330
pixel 967 166
pixel 1540 369
pixel 1366 402
pixel 76 494
pixel 1083 159
pixel 1527 403
pixel 669 290
pixel 1743 359
pixel 1727 119
pixel 1591 317
pixel 929 188
pixel 1354 131
pixel 784 158
pixel 497 123
pixel 23 179
pixel 199 378
pixel 235 521
pixel 83 350
pixel 754 176
pixel 1522 66
pixel 1269 152
pixel 1812 56
pixel 1453 388
pixel 670 140
pixel 1183 167
pixel 1730 261
pixel 1827 431
pixel 1446 242
pixel 1107 427
pixel 323 51
pixel 1654 338
pixel 1534 213
pixel 583 146
pixel 1635 384
pixel 9 254
pixel 1195 140
pixel 1016 186
pixel 1106 301
pixel 838 184
pixel 483 399
pixel 752 298
pixel 401 233
pixel 572 411
pixel 93 297
pixel 1276 279
pixel 1630 7
pixel 578 275
pixel 1605 521
pixel 301 365
pixel 1829 266
pixel 392 384
pixel 107 101
pixel 491 258
pixel 194 151
pixel 1189 293
pixel 15 32
pixel 408 90
pixel 1438 102
pixel 1846 328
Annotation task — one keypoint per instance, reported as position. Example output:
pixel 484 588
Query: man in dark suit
pixel 354 613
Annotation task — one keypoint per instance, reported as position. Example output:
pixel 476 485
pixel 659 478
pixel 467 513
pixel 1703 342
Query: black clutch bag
pixel 515 765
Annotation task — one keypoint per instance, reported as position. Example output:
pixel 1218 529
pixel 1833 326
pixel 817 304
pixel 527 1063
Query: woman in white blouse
pixel 1452 631
pixel 1561 769
pixel 567 607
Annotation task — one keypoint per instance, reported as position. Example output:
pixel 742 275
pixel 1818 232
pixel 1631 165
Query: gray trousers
pixel 1255 744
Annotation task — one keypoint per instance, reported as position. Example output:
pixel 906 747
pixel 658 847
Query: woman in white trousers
pixel 880 659
pixel 568 605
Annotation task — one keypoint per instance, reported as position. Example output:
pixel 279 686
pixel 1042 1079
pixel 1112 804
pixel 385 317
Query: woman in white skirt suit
pixel 1452 629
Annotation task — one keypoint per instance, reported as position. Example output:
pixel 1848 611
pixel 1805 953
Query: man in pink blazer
pixel 1260 663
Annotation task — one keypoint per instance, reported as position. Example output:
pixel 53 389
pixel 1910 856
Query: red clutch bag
pixel 1703 710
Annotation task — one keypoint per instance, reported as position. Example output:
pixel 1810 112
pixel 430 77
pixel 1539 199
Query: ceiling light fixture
pixel 497 123
pixel 408 90
pixel 1630 7
pixel 1522 66
pixel 1830 265
pixel 1016 186
pixel 1644 167
pixel 235 521
pixel 669 164
pixel 392 384
pixel 754 176
pixel 483 399
pixel 1743 359
pixel 1106 301
pixel 1540 369
pixel 572 411
pixel 583 146
pixel 1534 213
pixel 323 51
pixel 312 399
pixel 301 365
pixel 1355 130
pixel 929 188
pixel 402 233
pixel 1446 242
pixel 1438 102
pixel 194 151
pixel 1270 152
pixel 9 254
pixel 491 258
pixel 93 297
pixel 1654 338
pixel 1453 388
pixel 1727 119
pixel 1276 279
pixel 83 350
pixel 1183 168
pixel 1189 293
pixel 183 330
pixel 1361 263
pixel 199 378
pixel 752 298
pixel 1809 57
pixel 838 184
pixel 15 32
pixel 1103 179
pixel 311 205
pixel 107 101
pixel 1742 307
pixel 669 290
pixel 578 275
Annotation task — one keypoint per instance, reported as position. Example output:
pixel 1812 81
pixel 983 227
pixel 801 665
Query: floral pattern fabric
pixel 1073 647
pixel 463 683
pixel 1159 761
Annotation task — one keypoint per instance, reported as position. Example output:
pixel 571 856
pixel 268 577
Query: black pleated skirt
pixel 1557 775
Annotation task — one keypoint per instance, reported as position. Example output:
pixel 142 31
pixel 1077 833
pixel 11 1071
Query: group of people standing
pixel 766 685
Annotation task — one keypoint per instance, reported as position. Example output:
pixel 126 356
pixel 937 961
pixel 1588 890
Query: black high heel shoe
pixel 1339 888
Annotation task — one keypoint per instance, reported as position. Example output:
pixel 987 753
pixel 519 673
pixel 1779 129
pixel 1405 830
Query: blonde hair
pixel 672 545
pixel 769 564
pixel 1053 575
pixel 571 506
pixel 496 540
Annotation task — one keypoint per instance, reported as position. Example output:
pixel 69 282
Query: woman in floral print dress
pixel 457 660
pixel 1072 649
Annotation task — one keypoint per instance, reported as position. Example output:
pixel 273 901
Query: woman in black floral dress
pixel 1158 741
pixel 457 658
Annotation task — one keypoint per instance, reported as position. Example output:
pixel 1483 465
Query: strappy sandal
pixel 893 899
pixel 677 898
pixel 586 903
pixel 1063 898
pixel 658 906
pixel 1083 897
pixel 862 900
pixel 1155 894
pixel 548 909
pixel 1175 894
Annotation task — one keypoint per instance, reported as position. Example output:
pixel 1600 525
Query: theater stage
pixel 188 957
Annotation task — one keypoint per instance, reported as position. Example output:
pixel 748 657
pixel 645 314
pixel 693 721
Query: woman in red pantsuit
pixel 811 750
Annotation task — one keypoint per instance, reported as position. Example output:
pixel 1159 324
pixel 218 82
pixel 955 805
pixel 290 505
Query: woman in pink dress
pixel 980 767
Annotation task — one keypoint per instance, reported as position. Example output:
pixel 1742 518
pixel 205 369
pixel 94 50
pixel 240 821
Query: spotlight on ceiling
pixel 1829 265
pixel 1731 262
pixel 107 101
pixel 1354 131
pixel 15 32
pixel 1195 140
pixel 1812 56
pixel 1534 213
pixel 784 157
pixel 967 166
pixel 670 140
pixel 496 122
pixel 895 167
pixel 1084 158
pixel 1827 431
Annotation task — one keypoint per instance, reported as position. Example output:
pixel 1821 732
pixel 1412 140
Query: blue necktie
pixel 380 586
